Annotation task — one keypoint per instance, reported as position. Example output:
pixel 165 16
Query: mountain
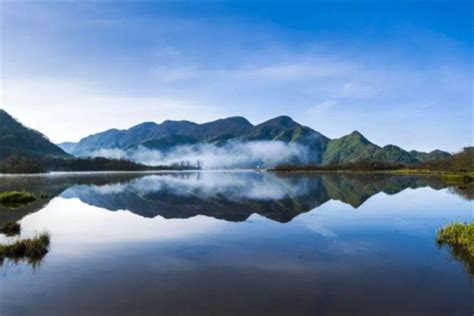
pixel 284 129
pixel 433 155
pixel 170 134
pixel 154 135
pixel 18 140
pixel 321 149
pixel 459 162
pixel 67 146
pixel 349 148
pixel 355 147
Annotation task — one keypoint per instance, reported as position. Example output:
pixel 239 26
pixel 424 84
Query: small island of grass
pixel 11 229
pixel 32 250
pixel 460 238
pixel 16 197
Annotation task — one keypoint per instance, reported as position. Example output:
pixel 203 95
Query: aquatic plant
pixel 460 238
pixel 11 229
pixel 31 250
pixel 16 197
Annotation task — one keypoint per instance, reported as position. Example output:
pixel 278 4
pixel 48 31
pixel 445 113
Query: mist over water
pixel 232 155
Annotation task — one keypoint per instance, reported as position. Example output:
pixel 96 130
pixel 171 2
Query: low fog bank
pixel 234 155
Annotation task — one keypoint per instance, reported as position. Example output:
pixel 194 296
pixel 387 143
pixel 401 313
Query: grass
pixel 32 250
pixel 447 176
pixel 460 238
pixel 11 229
pixel 16 197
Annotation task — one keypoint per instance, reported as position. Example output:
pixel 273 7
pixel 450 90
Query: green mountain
pixel 18 140
pixel 161 136
pixel 284 129
pixel 355 147
pixel 350 148
pixel 433 155
pixel 320 149
pixel 461 161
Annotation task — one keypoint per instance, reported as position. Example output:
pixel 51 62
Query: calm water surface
pixel 237 243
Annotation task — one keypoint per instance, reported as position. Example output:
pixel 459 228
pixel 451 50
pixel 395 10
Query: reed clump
pixel 32 249
pixel 460 238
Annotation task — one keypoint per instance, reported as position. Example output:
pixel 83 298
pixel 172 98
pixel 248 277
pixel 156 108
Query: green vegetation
pixel 458 169
pixel 16 164
pixel 11 229
pixel 16 197
pixel 348 149
pixel 355 147
pixel 32 250
pixel 460 238
pixel 459 162
pixel 360 165
pixel 448 177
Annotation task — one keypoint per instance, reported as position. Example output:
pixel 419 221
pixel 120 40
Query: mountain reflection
pixel 230 196
pixel 234 196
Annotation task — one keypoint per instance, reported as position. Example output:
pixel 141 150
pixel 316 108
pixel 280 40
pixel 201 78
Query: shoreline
pixel 112 172
pixel 418 172
pixel 449 177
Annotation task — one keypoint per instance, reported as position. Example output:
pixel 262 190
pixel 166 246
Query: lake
pixel 237 243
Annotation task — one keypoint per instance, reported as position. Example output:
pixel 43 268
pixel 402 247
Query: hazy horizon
pixel 400 73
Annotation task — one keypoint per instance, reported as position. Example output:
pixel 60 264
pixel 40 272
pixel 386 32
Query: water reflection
pixel 231 196
pixel 214 244
pixel 235 196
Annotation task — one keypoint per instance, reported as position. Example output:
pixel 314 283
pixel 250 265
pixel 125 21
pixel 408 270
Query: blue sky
pixel 398 71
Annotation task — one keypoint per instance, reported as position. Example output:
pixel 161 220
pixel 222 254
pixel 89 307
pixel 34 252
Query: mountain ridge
pixel 17 139
pixel 322 150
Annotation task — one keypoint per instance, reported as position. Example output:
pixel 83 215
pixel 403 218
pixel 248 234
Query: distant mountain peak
pixel 166 122
pixel 356 133
pixel 357 136
pixel 240 120
pixel 145 125
pixel 392 147
pixel 283 121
